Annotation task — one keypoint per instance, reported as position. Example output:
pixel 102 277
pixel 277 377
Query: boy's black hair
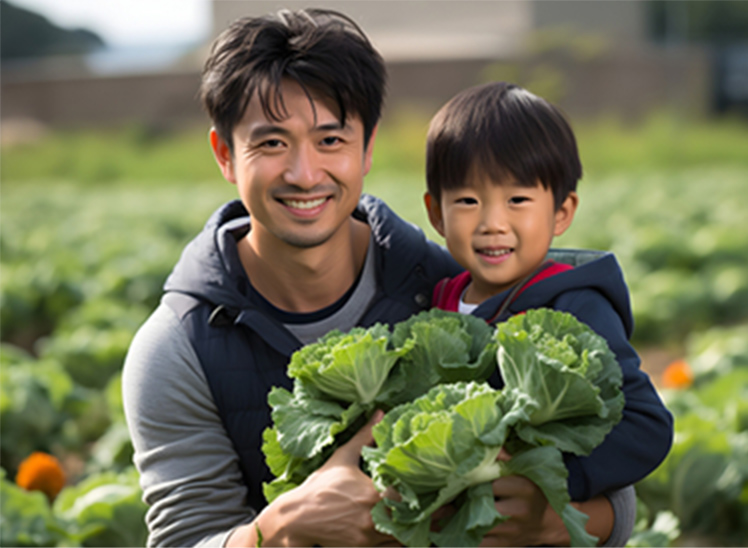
pixel 323 51
pixel 500 130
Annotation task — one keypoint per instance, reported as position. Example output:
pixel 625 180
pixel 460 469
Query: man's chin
pixel 305 241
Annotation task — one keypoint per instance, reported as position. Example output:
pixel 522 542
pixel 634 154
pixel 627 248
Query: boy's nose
pixel 303 169
pixel 493 221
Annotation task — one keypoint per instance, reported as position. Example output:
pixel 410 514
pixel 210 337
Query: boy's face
pixel 300 178
pixel 499 232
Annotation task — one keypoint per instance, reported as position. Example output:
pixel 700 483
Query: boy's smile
pixel 500 232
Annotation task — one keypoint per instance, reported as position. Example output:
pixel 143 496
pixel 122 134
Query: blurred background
pixel 106 173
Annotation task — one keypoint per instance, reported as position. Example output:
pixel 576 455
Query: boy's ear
pixel 222 154
pixel 565 213
pixel 369 152
pixel 434 209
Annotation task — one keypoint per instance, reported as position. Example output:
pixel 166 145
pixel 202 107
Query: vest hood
pixel 209 268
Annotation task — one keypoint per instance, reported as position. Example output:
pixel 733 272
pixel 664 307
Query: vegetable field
pixel 83 264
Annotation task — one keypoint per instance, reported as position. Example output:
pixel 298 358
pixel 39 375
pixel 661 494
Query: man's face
pixel 300 178
pixel 499 232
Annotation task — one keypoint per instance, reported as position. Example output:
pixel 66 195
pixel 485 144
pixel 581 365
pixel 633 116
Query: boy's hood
pixel 593 270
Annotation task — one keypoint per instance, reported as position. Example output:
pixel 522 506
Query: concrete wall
pixel 433 50
pixel 632 85
pixel 160 100
pixel 415 29
pixel 621 21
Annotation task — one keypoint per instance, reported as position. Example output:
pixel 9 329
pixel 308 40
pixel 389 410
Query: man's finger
pixel 350 452
pixel 503 455
pixel 512 486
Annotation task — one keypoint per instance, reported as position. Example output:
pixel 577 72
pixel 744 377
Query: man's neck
pixel 305 280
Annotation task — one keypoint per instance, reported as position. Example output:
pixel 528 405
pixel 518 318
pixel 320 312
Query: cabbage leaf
pixel 563 376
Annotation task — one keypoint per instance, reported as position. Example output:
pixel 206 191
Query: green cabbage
pixel 444 425
pixel 337 381
pixel 443 447
pixel 430 451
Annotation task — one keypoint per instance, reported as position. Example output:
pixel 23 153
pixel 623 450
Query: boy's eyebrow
pixel 514 182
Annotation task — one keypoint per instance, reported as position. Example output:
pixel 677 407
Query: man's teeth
pixel 495 252
pixel 304 204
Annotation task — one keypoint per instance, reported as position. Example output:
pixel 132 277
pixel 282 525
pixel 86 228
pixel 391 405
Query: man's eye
pixel 331 140
pixel 272 143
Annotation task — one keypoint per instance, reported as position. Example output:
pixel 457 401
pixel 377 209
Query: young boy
pixel 502 170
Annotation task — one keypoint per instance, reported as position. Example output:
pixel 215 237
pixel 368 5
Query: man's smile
pixel 303 204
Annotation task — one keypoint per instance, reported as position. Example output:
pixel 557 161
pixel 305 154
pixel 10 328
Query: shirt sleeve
pixel 624 507
pixel 640 442
pixel 189 470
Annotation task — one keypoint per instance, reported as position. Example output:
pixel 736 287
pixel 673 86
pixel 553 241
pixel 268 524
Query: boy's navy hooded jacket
pixel 595 292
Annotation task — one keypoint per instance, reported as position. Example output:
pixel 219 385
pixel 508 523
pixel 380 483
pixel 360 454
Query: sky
pixel 130 23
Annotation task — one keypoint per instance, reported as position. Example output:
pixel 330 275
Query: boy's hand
pixel 524 503
pixel 527 508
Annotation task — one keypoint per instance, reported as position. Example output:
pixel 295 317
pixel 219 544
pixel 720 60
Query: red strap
pixel 546 270
pixel 448 291
pixel 552 269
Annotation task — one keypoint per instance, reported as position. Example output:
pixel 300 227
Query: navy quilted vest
pixel 245 353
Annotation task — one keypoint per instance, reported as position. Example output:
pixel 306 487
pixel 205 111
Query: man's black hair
pixel 323 51
pixel 501 131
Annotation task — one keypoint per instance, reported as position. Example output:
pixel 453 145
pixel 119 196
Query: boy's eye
pixel 466 200
pixel 518 199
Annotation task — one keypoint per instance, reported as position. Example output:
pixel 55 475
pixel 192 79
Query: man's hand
pixel 331 508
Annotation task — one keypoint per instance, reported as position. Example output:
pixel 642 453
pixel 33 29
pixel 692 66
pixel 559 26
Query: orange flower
pixel 41 472
pixel 677 375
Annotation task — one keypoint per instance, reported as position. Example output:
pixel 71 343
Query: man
pixel 294 99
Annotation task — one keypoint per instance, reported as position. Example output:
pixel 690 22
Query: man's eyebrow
pixel 333 126
pixel 262 131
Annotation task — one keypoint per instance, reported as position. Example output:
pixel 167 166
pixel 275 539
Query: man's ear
pixel 434 209
pixel 565 213
pixel 223 155
pixel 369 152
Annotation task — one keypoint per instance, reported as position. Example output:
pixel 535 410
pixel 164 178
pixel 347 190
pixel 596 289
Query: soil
pixel 655 360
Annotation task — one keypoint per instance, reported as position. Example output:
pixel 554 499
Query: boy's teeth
pixel 496 252
pixel 304 204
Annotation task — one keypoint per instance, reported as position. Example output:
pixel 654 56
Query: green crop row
pixel 704 480
pixel 662 141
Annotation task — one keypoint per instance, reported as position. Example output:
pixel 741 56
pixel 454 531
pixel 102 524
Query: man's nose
pixel 304 167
